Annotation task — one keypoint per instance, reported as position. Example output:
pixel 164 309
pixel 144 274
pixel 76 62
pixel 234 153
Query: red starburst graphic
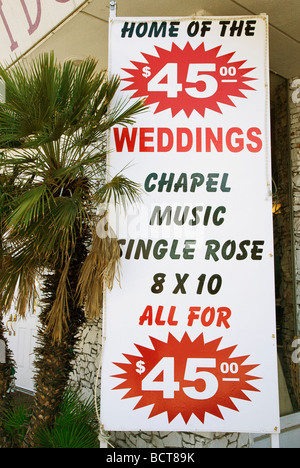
pixel 186 377
pixel 189 80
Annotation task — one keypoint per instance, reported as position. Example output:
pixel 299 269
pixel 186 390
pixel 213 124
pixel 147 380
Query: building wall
pixel 294 108
pixel 84 374
pixel 181 439
pixel 283 231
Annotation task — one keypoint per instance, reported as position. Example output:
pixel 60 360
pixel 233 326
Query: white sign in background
pixel 210 277
pixel 25 22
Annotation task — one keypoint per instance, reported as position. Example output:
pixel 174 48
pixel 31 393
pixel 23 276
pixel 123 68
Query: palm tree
pixel 53 130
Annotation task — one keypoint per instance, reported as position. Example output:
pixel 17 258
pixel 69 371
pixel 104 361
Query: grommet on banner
pixel 113 8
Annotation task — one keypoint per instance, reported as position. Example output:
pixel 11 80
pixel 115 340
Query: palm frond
pixel 30 207
pixel 59 314
pixel 18 283
pixel 53 132
pixel 98 271
pixel 119 190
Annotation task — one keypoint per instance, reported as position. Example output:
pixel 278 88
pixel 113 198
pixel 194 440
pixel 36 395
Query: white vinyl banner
pixel 189 333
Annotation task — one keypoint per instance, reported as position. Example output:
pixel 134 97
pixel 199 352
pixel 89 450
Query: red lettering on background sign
pixel 13 44
pixel 33 23
pixel 32 26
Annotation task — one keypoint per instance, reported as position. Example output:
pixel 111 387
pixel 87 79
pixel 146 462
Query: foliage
pixel 16 421
pixel 75 426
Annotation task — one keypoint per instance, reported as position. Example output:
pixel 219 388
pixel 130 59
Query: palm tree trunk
pixel 53 362
pixel 6 384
